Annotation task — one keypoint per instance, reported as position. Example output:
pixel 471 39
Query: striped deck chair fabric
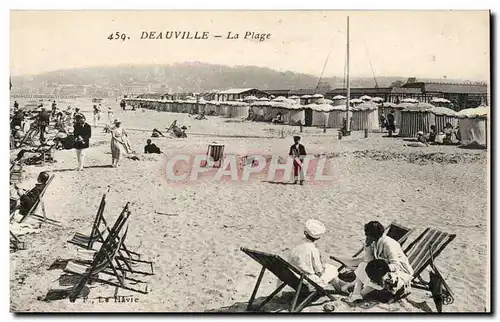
pixel 289 275
pixel 216 152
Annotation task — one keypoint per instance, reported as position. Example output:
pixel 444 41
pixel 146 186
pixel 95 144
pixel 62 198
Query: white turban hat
pixel 315 228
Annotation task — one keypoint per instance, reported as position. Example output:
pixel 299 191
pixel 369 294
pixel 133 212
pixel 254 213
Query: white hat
pixel 17 127
pixel 315 228
pixel 420 133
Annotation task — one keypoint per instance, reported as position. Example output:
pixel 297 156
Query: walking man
pixel 298 153
pixel 43 123
pixel 391 123
pixel 82 133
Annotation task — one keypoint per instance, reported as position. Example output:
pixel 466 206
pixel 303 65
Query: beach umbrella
pixel 480 111
pixel 356 101
pixel 317 96
pixel 338 97
pixel 251 98
pixel 294 97
pixel 410 100
pixel 279 99
pixel 306 96
pixel 439 100
pixel 377 99
pixel 324 101
pixel 264 99
pixel 365 98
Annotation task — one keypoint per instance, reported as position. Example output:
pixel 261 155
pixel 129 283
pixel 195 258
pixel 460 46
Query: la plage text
pixel 204 35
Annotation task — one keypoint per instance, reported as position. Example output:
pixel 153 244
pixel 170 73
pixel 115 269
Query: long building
pixel 461 95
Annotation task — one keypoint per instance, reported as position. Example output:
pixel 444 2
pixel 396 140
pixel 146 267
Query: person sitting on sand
pixel 201 117
pixel 156 133
pixel 151 148
pixel 278 119
pixel 421 141
pixel 449 134
pixel 27 198
pixel 17 136
pixel 379 246
pixel 179 132
pixel 306 256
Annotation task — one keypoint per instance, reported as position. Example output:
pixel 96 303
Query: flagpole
pixel 348 123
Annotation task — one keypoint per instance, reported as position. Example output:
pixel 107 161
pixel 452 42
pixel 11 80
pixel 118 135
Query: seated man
pixel 29 198
pixel 449 133
pixel 18 135
pixel 380 246
pixel 156 133
pixel 278 119
pixel 306 256
pixel 151 148
pixel 431 136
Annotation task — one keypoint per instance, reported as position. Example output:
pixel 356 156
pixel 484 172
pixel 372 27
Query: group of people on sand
pixel 382 271
pixel 449 136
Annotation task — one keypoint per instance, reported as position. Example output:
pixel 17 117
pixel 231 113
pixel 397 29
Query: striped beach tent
pixel 420 116
pixel 365 117
pixel 337 115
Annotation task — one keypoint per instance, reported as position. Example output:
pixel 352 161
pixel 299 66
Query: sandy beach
pixel 198 263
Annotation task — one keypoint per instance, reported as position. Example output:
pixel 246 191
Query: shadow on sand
pixel 89 167
pixel 283 183
pixel 278 304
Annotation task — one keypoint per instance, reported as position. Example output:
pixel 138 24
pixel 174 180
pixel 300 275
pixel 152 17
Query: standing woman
pixel 110 114
pixel 119 143
pixel 82 133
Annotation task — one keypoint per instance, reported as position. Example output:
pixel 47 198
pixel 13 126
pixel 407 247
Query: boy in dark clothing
pixel 82 133
pixel 151 148
pixel 29 198
pixel 297 152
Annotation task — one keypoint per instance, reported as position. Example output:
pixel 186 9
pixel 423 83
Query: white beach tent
pixel 320 113
pixel 365 98
pixel 337 115
pixel 365 117
pixel 420 116
pixel 473 125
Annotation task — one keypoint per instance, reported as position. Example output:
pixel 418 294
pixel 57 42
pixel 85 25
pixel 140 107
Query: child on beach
pixel 307 257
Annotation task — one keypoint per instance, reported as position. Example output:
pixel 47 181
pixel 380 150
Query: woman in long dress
pixel 119 143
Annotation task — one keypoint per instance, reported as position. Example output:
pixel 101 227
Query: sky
pixel 434 44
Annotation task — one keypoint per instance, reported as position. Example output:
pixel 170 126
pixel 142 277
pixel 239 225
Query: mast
pixel 348 123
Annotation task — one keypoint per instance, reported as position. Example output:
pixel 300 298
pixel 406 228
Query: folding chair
pixel 96 235
pixel 40 202
pixel 16 172
pixel 289 275
pixel 174 123
pixel 216 152
pixel 396 231
pixel 421 253
pixel 15 243
pixel 104 260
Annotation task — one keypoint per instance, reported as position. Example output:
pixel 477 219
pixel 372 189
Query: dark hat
pixel 296 138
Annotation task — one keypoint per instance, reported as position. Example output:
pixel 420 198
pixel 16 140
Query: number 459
pixel 118 35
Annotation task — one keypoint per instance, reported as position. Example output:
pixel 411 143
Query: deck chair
pixel 421 253
pixel 216 152
pixel 174 123
pixel 104 262
pixel 16 172
pixel 15 243
pixel 40 202
pixel 396 231
pixel 289 275
pixel 97 233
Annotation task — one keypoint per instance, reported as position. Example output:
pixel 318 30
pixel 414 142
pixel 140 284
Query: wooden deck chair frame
pixel 40 202
pixel 87 241
pixel 174 123
pixel 426 247
pixel 105 259
pixel 15 243
pixel 396 231
pixel 289 275
pixel 217 158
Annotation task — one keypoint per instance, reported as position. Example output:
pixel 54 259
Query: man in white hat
pixel 307 257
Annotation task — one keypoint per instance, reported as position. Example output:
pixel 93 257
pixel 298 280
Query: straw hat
pixel 315 228
pixel 17 127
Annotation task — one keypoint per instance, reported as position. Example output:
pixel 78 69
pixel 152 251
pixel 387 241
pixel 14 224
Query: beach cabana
pixel 337 115
pixel 420 116
pixel 365 117
pixel 320 113
pixel 473 125
pixel 305 99
pixel 296 115
pixel 387 107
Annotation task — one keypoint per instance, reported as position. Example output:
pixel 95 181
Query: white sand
pixel 198 264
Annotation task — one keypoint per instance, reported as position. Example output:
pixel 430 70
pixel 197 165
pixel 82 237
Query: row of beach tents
pixel 411 115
